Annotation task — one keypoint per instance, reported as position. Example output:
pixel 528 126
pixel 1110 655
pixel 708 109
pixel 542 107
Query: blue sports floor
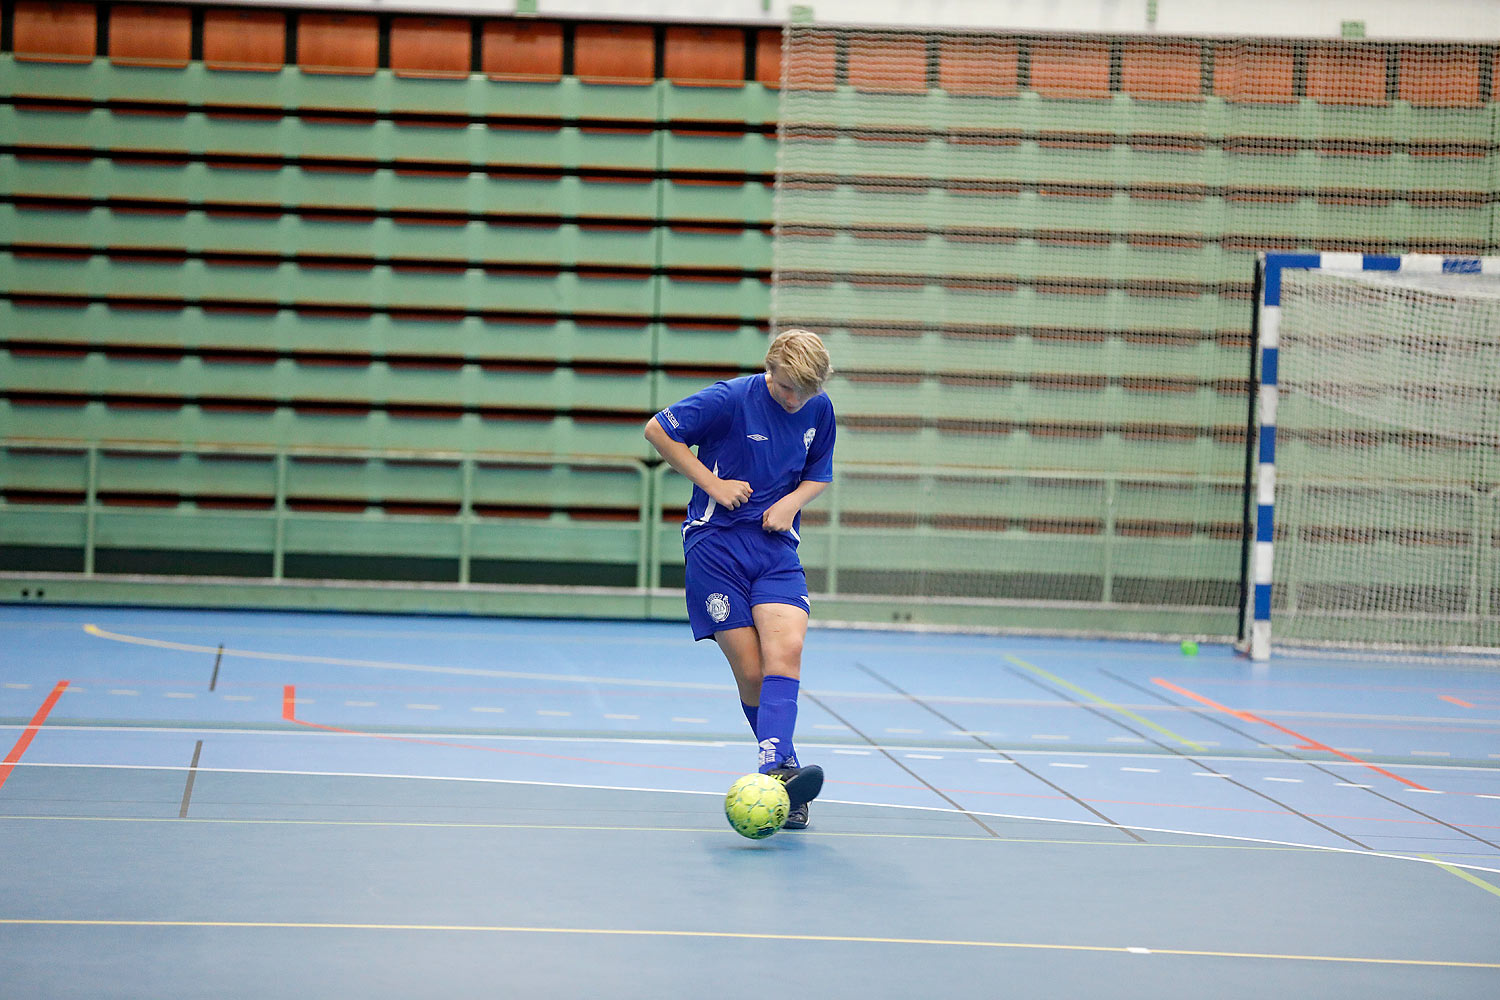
pixel 341 805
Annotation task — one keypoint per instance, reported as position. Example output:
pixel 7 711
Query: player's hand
pixel 779 517
pixel 730 493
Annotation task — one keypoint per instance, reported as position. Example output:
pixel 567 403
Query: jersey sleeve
pixel 697 417
pixel 819 466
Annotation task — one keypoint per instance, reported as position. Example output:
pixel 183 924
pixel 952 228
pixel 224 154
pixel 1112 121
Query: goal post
pixel 1376 494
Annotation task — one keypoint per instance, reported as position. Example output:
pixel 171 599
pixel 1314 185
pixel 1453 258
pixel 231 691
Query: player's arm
pixel 779 516
pixel 727 493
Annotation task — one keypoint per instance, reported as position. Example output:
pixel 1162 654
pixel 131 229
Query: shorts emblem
pixel 718 607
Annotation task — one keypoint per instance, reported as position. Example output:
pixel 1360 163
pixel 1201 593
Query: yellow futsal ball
pixel 756 806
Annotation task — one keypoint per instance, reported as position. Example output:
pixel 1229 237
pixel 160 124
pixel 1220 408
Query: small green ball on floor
pixel 1189 648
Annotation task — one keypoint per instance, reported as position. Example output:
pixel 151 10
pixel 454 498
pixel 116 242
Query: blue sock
pixel 751 711
pixel 777 720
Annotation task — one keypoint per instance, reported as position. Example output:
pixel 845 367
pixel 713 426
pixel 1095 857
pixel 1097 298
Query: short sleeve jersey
pixel 741 432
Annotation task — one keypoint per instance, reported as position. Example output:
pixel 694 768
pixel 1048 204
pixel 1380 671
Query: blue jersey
pixel 742 433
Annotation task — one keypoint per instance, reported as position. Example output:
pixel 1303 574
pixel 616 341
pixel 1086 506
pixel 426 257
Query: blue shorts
pixel 730 571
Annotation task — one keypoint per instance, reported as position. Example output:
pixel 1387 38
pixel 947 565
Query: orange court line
pixel 14 757
pixel 1457 701
pixel 1307 744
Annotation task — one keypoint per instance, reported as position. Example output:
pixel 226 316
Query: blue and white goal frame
pixel 1267 341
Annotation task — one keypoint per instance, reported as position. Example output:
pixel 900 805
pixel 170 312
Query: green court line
pixel 1106 703
pixel 736 935
pixel 1466 876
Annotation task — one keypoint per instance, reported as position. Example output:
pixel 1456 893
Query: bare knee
pixel 781 654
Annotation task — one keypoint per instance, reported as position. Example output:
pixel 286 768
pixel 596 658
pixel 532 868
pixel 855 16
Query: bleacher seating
pixel 240 280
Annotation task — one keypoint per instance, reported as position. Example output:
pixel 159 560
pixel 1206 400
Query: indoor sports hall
pixel 1155 629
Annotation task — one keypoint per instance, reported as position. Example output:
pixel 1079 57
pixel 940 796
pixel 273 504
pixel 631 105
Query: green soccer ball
pixel 756 806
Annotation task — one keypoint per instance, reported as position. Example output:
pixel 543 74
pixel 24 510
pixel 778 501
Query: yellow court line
pixel 601 828
pixel 1105 702
pixel 1268 847
pixel 1466 876
pixel 738 936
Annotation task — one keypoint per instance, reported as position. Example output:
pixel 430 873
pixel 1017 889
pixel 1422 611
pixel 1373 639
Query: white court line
pixel 986 650
pixel 541 737
pixel 1234 840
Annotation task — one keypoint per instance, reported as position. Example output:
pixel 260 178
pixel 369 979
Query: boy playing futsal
pixel 765 450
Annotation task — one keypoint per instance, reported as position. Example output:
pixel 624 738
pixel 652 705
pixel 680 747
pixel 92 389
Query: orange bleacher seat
pixel 1255 72
pixel 887 64
pixel 338 43
pixel 155 35
pixel 523 50
pixel 1162 71
pixel 768 57
pixel 979 67
pixel 244 39
pixel 1070 69
pixel 1345 73
pixel 705 57
pixel 430 47
pixel 615 53
pixel 815 66
pixel 54 32
pixel 1440 76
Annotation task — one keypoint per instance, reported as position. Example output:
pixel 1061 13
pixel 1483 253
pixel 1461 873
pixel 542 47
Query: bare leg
pixel 741 647
pixel 772 646
pixel 781 629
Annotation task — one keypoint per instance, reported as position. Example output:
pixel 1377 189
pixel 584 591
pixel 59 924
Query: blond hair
pixel 801 357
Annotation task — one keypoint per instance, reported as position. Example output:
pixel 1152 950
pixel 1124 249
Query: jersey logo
pixel 718 607
pixel 757 437
pixel 807 438
pixel 671 419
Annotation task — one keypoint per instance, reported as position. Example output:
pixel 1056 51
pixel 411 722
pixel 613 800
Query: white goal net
pixel 1387 474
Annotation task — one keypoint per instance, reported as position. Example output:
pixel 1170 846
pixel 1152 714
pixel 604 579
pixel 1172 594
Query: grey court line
pixel 1316 765
pixel 1174 751
pixel 981 741
pixel 891 757
pixel 192 776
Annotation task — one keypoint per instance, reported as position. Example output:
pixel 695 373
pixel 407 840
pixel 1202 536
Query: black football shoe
pixel 802 784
